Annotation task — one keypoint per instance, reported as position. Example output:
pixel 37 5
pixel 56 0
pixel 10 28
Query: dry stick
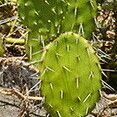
pixel 112 98
pixel 8 20
pixel 111 104
pixel 13 91
pixel 114 48
pixel 8 103
pixel 23 110
pixel 7 60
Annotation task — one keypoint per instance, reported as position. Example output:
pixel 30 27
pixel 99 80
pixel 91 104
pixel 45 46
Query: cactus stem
pixel 61 94
pixel 87 97
pixel 51 85
pixel 58 113
pixel 66 69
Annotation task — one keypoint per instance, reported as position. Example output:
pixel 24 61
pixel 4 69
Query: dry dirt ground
pixel 20 95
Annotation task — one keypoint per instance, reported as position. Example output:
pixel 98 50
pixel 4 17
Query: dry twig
pixel 8 91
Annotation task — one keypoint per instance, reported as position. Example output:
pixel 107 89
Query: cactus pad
pixel 70 75
pixel 53 17
pixel 47 19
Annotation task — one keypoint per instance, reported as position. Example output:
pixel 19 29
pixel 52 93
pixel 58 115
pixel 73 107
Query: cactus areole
pixel 71 77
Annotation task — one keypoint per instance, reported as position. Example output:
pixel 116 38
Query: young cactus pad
pixel 53 17
pixel 47 19
pixel 71 76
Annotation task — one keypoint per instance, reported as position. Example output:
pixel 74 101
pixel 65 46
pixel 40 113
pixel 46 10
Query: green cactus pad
pixel 47 19
pixel 71 76
pixel 52 17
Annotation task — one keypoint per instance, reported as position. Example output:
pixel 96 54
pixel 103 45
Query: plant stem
pixel 15 40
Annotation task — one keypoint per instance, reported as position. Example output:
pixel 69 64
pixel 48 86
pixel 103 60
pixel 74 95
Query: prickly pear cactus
pixel 49 18
pixel 70 77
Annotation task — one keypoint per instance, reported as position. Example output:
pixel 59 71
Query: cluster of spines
pixel 70 86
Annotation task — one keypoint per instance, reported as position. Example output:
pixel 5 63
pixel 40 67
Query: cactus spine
pixel 50 18
pixel 70 75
